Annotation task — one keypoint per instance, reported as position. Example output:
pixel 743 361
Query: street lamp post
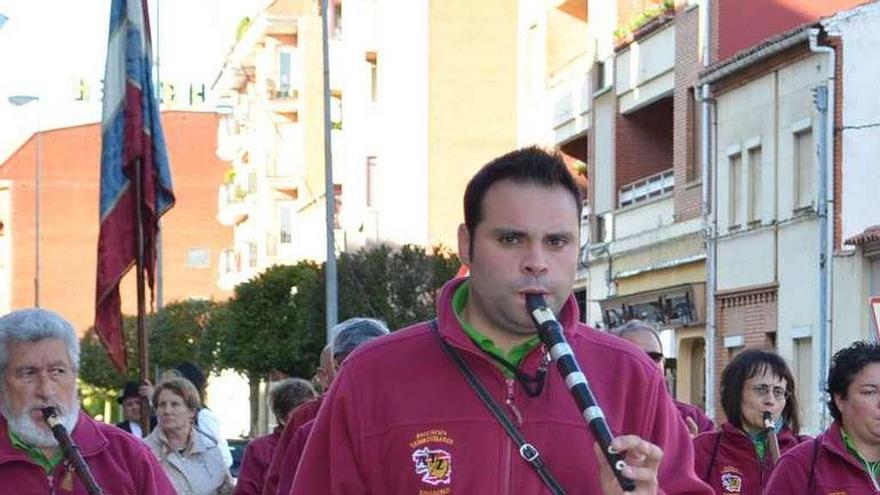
pixel 20 100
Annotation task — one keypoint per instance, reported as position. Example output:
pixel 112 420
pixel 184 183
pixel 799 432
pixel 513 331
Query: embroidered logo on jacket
pixel 435 465
pixel 731 480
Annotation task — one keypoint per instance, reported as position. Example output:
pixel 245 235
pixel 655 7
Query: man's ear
pixel 464 244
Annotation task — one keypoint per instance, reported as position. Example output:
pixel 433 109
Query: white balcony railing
pixel 647 188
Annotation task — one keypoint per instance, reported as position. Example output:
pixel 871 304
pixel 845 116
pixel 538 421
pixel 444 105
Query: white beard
pixel 36 435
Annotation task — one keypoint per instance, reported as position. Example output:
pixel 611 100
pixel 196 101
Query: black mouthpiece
pixel 768 419
pixel 49 412
pixel 535 301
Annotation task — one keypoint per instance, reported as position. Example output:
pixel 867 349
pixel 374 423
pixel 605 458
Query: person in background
pixel 349 335
pixel 736 457
pixel 284 396
pixel 190 458
pixel 646 338
pixel 39 363
pixel 206 421
pixel 845 458
pixel 131 411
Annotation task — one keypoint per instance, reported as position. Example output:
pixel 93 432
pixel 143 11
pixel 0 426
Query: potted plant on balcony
pixel 643 23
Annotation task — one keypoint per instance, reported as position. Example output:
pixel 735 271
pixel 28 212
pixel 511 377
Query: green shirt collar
pixel 873 468
pixel 514 357
pixel 36 454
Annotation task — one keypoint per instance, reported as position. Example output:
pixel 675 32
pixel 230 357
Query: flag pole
pixel 143 345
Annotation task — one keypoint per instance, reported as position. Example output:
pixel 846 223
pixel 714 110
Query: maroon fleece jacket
pixel 400 418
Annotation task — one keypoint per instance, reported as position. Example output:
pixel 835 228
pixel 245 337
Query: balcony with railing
pixel 645 204
pixel 232 208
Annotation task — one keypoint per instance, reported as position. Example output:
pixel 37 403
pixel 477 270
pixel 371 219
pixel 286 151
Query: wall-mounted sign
pixel 170 92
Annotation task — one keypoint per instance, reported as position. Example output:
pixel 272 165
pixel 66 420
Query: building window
pixel 252 254
pixel 336 111
pixel 694 169
pixel 337 205
pixel 336 19
pixel 373 60
pixel 602 74
pixel 252 182
pixel 603 230
pixel 198 257
pixel 284 75
pixel 754 204
pixel 734 188
pixel 285 221
pixel 804 169
pixel 372 163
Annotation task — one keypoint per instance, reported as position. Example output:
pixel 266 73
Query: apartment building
pixel 423 94
pixel 793 168
pixel 627 105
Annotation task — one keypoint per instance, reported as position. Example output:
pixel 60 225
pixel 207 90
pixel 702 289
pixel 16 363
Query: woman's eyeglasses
pixel 779 393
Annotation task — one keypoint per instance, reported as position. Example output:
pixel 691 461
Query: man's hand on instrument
pixel 642 460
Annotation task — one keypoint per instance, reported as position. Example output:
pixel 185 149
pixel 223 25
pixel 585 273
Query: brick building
pixel 69 185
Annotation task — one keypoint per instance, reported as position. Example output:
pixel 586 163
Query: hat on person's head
pixel 192 373
pixel 132 389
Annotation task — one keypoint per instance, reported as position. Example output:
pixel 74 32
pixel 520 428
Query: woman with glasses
pixel 737 458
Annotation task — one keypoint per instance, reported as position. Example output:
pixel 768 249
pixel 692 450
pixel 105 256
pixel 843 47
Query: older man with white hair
pixel 39 362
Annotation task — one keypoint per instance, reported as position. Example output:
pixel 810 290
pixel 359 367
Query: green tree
pixel 176 334
pixel 95 366
pixel 399 286
pixel 274 322
pixel 179 333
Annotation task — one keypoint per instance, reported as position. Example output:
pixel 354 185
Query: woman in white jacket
pixel 191 459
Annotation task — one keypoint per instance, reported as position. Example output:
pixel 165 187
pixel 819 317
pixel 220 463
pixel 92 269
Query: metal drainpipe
pixel 708 213
pixel 824 98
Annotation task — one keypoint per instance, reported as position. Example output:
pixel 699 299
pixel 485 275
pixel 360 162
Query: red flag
pixel 131 131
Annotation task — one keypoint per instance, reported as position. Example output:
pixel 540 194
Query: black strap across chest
pixel 526 450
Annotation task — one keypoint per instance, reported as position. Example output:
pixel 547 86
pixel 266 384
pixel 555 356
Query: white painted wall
pixel 603 180
pixel 745 118
pixel 852 285
pixel 597 291
pixel 747 259
pixel 403 146
pixel 644 217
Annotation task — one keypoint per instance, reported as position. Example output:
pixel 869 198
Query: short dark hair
pixel 750 363
pixel 288 394
pixel 526 165
pixel 845 365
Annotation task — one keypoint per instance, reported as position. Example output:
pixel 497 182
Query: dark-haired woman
pixel 845 458
pixel 736 458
